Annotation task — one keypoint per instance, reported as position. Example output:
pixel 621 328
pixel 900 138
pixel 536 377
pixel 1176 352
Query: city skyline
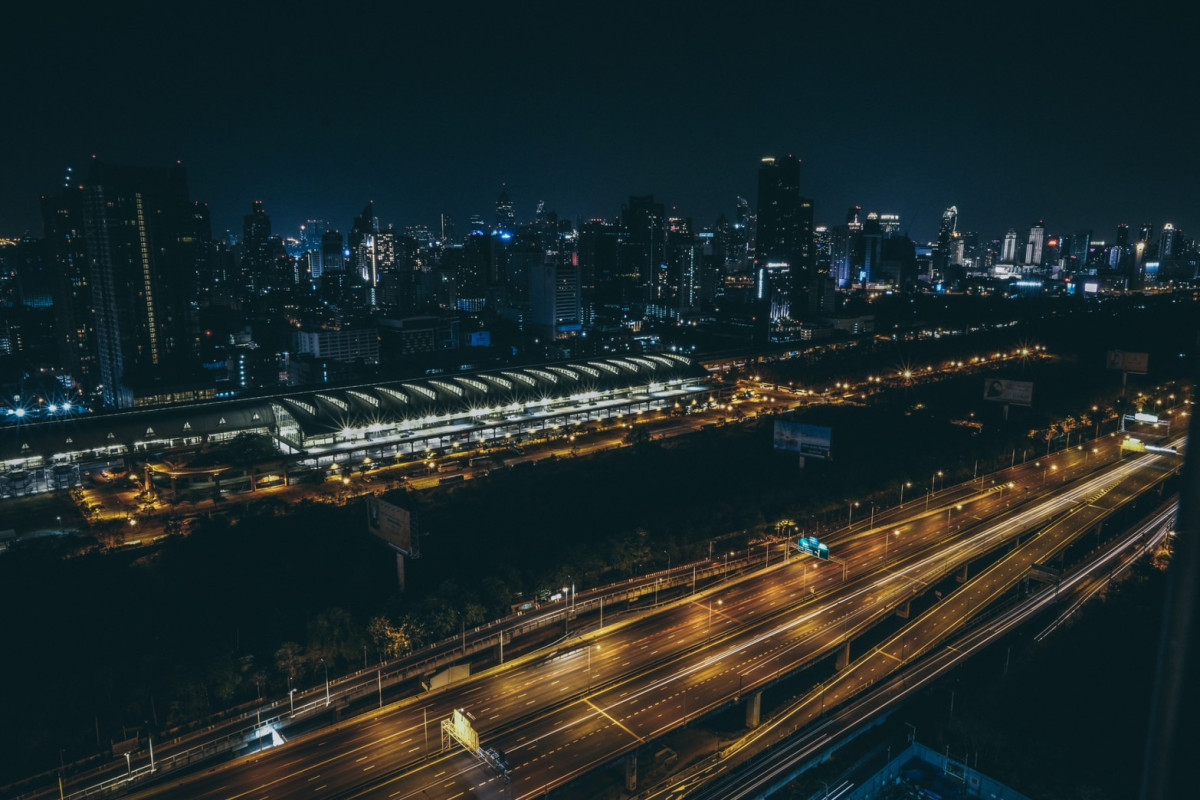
pixel 894 110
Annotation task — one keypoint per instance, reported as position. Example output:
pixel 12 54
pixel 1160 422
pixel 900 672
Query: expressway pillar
pixel 631 772
pixel 400 570
pixel 754 710
pixel 962 574
pixel 904 609
pixel 843 659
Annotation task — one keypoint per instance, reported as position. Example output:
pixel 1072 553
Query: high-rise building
pixel 1036 244
pixel 506 213
pixel 137 225
pixel 597 247
pixel 257 257
pixel 1008 252
pixel 66 256
pixel 554 298
pixel 310 242
pixel 1167 243
pixel 683 263
pixel 642 248
pixel 946 234
pixel 872 249
pixel 333 260
pixel 783 264
pixel 1081 246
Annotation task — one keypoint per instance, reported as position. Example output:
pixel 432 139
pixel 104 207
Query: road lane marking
pixel 614 720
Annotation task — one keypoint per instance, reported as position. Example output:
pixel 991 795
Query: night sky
pixel 1081 117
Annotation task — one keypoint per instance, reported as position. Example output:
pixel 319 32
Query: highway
pixel 564 711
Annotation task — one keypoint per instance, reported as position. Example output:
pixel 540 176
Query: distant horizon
pixel 233 219
pixel 1012 112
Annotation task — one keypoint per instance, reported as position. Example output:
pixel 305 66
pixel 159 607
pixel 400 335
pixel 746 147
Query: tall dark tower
pixel 139 233
pixel 643 250
pixel 946 234
pixel 506 213
pixel 66 256
pixel 783 261
pixel 256 248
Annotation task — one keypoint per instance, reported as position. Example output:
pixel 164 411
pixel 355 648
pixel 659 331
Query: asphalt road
pixel 563 712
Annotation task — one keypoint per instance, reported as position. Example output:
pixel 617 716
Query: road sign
pixel 814 547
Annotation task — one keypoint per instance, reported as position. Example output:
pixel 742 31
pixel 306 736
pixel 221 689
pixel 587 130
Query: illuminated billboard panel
pixel 813 441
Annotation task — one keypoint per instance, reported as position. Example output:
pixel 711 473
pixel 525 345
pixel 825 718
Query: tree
pixel 638 437
pixel 393 641
pixel 289 659
pixel 334 636
pixel 1050 435
pixel 1066 426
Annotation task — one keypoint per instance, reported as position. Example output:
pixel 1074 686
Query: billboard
pixel 481 338
pixel 392 523
pixel 1137 363
pixel 813 441
pixel 1017 393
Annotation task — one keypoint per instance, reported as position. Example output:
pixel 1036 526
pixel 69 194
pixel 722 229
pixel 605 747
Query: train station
pixel 57 448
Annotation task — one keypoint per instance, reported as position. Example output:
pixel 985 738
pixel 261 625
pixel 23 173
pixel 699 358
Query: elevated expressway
pixel 564 711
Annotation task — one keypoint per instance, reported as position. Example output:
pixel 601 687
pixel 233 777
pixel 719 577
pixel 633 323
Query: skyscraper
pixel 66 256
pixel 642 250
pixel 946 233
pixel 142 263
pixel 1036 244
pixel 784 272
pixel 554 298
pixel 1167 242
pixel 1008 253
pixel 257 258
pixel 506 213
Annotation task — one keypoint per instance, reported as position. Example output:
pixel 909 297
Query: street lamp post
pixel 291 702
pixel 668 560
pixel 710 606
pixel 948 510
pixel 850 522
pixel 906 483
pixel 872 525
pixel 887 538
pixel 326 666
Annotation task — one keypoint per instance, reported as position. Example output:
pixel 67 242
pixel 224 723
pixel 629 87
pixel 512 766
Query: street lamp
pixel 851 504
pixel 949 509
pixel 872 525
pixel 906 483
pixel 887 538
pixel 668 560
pixel 326 666
pixel 719 604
